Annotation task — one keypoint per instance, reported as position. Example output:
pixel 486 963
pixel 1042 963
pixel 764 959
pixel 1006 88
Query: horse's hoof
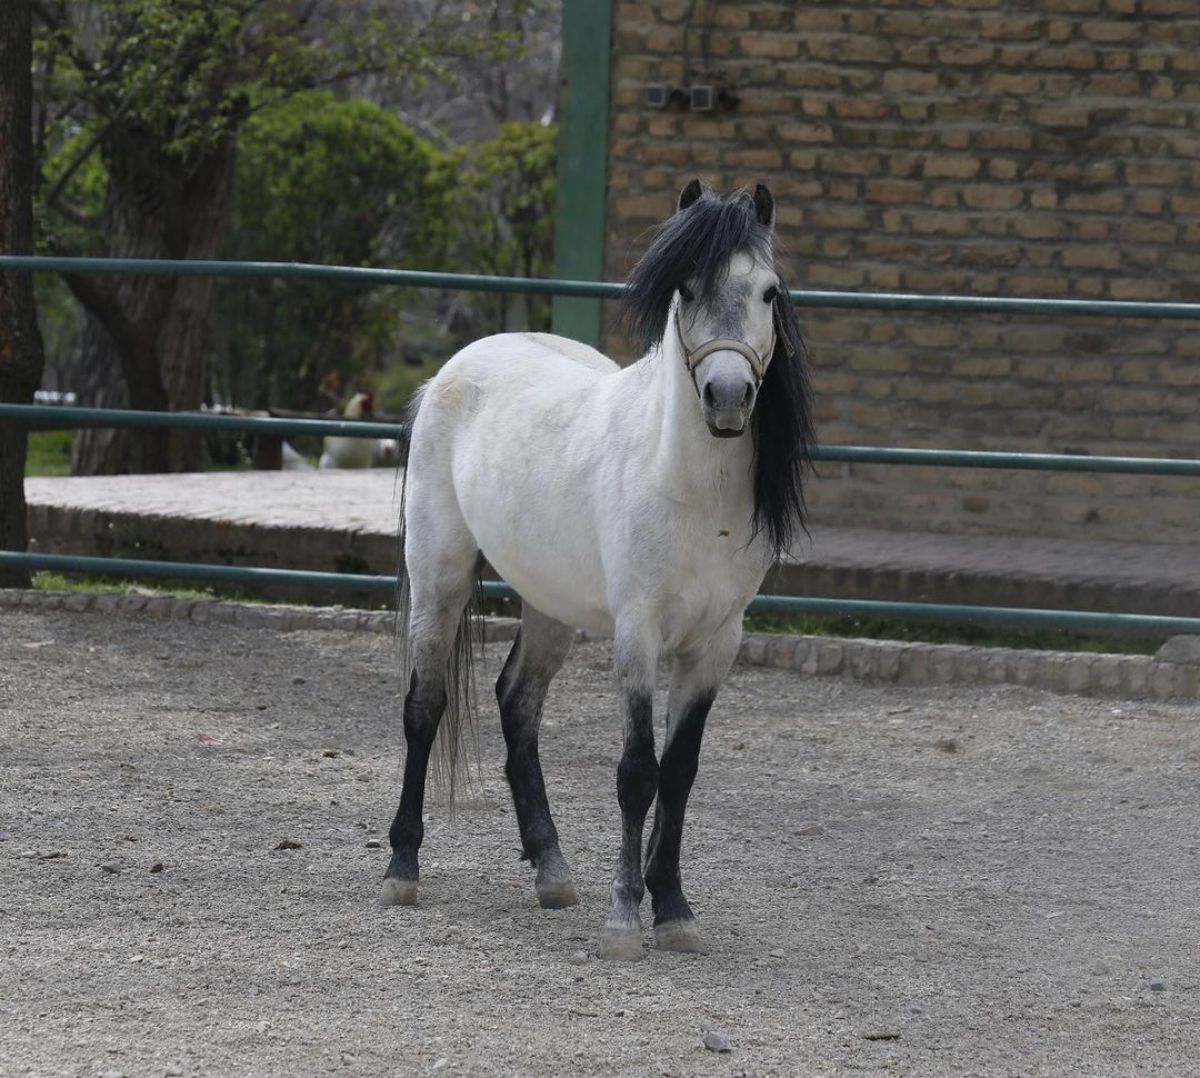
pixel 556 894
pixel 397 892
pixel 680 936
pixel 621 944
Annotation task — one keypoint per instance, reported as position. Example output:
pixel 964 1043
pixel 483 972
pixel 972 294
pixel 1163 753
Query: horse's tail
pixel 451 746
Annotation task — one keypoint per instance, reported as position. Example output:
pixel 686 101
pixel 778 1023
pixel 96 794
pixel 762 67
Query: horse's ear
pixel 689 195
pixel 764 206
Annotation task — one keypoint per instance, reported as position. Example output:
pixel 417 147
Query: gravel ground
pixel 917 881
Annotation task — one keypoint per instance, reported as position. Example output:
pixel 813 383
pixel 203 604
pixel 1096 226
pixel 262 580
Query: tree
pixel 499 212
pixel 319 180
pixel 162 89
pixel 20 342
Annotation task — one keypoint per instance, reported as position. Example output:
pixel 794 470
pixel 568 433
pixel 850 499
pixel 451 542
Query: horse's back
pixel 576 351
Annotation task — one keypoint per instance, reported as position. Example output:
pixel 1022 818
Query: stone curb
pixel 879 661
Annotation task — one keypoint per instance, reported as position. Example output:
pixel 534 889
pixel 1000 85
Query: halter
pixel 692 358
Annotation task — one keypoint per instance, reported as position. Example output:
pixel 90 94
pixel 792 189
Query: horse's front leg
pixel 694 683
pixel 635 657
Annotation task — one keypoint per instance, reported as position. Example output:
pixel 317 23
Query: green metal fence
pixel 772 604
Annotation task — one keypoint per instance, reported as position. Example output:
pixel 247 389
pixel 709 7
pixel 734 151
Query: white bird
pixel 343 452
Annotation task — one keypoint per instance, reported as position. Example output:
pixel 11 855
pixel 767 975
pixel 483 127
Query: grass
pixel 49 453
pixel 107 585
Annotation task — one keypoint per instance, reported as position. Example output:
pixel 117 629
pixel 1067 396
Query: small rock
pixel 112 867
pixel 173 1072
pixel 578 958
pixel 777 954
pixel 738 746
pixel 330 754
pixel 809 829
pixel 1100 970
pixel 881 1035
pixel 716 1042
pixel 299 680
pixel 290 844
pixel 1157 984
pixel 373 844
pixel 441 1064
pixel 156 867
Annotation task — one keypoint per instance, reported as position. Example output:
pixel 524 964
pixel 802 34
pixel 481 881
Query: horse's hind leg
pixel 694 683
pixel 537 655
pixel 441 572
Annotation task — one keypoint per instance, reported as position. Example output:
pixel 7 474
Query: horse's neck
pixel 689 463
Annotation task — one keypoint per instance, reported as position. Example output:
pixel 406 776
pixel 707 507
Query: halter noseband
pixel 694 357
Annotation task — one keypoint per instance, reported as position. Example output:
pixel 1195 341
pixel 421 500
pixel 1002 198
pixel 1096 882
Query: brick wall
pixel 1021 147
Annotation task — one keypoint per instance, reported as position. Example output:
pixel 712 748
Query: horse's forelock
pixel 694 246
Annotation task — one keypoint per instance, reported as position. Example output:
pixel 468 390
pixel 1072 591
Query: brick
pixel 1110 31
pixel 966 54
pixel 1090 257
pixel 892 192
pixel 951 167
pixel 993 197
pixel 903 81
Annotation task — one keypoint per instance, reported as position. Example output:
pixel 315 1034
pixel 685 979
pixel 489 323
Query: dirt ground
pixel 911 881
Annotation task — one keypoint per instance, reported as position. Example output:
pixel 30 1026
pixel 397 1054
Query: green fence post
pixel 582 162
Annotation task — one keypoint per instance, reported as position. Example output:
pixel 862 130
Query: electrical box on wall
pixel 701 98
pixel 657 95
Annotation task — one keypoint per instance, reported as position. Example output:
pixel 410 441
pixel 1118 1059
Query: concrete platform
pixel 346 521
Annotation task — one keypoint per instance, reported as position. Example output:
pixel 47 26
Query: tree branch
pixel 102 303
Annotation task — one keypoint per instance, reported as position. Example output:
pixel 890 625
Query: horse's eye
pixel 770 294
pixel 686 293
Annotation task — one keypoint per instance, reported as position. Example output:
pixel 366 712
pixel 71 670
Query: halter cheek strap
pixel 758 363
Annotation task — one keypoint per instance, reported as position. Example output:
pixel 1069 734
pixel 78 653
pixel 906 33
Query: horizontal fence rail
pixel 72 416
pixel 780 605
pixel 470 282
pixel 43 414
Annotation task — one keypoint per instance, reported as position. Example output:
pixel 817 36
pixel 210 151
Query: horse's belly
pixel 550 558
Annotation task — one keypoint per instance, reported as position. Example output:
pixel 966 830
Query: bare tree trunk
pixel 147 335
pixel 21 359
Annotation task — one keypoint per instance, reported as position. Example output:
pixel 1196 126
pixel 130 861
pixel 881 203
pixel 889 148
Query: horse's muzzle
pixel 727 399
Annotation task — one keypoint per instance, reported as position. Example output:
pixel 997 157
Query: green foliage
pixel 499 199
pixel 319 180
pixel 49 452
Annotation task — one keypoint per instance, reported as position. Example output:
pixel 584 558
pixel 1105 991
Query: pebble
pixel 290 844
pixel 156 867
pixel 373 844
pixel 112 867
pixel 441 1063
pixel 578 958
pixel 716 1042
pixel 1100 970
pixel 1157 984
pixel 809 829
pixel 777 954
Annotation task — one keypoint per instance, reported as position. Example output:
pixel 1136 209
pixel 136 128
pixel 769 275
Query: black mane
pixel 694 247
pixel 691 247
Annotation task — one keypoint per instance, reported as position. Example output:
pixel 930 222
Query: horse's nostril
pixel 748 399
pixel 710 398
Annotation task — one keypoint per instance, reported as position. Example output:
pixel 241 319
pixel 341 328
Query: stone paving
pixel 346 520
